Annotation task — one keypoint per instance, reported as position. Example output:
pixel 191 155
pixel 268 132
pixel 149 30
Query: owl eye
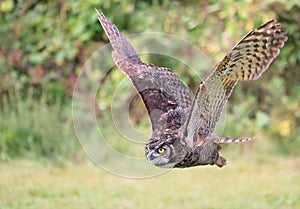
pixel 160 150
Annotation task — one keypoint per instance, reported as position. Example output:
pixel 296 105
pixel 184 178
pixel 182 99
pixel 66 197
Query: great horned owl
pixel 182 124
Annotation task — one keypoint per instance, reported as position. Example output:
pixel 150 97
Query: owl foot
pixel 220 162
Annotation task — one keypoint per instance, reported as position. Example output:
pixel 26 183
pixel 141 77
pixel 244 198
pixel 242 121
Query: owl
pixel 183 123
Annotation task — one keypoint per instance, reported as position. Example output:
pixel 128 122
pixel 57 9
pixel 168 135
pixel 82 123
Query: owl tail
pixel 123 50
pixel 224 139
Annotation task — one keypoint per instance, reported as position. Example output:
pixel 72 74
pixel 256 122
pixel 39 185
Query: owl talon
pixel 220 162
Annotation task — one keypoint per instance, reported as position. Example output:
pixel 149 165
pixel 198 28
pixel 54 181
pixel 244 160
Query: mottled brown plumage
pixel 182 126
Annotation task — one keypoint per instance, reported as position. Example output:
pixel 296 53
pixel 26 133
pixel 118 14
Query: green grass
pixel 33 127
pixel 270 182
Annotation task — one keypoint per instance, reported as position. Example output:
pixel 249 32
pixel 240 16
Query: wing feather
pixel 160 89
pixel 247 61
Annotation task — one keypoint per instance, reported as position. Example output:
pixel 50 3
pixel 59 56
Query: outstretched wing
pixel 247 61
pixel 160 89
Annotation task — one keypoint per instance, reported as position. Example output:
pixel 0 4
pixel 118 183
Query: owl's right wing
pixel 160 89
pixel 247 61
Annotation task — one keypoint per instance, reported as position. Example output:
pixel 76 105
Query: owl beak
pixel 152 155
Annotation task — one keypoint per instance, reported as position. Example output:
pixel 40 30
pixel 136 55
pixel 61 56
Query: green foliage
pixel 44 45
pixel 32 128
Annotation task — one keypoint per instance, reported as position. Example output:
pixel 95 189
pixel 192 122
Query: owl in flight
pixel 183 124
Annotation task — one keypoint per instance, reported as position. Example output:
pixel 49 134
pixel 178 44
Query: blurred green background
pixel 43 46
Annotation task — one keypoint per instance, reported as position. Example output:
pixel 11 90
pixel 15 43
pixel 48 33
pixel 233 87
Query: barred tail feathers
pixel 224 139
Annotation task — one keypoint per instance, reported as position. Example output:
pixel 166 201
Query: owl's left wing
pixel 247 61
pixel 160 89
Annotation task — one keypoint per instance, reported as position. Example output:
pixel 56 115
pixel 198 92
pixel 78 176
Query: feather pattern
pixel 160 89
pixel 247 61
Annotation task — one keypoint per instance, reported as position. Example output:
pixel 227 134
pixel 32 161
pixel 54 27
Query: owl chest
pixel 192 159
pixel 205 153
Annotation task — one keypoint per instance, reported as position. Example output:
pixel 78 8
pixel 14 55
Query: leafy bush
pixel 44 45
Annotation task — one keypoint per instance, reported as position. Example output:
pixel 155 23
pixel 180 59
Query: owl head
pixel 166 150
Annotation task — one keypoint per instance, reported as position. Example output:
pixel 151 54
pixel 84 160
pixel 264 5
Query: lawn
pixel 271 182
